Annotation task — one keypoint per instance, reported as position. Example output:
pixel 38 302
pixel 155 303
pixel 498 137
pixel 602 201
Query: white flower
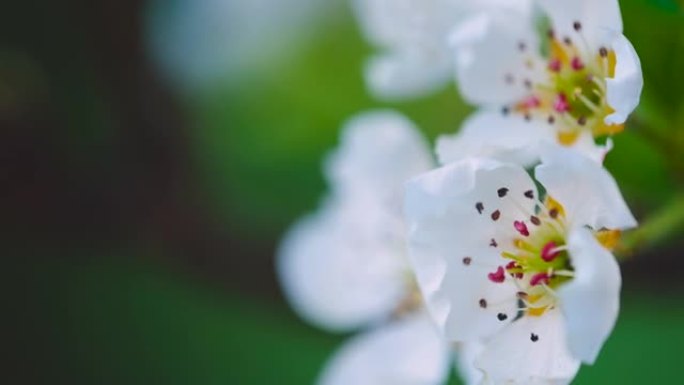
pixel 579 82
pixel 534 280
pixel 345 267
pixel 413 36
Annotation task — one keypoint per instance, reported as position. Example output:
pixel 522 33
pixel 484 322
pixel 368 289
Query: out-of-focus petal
pixel 594 16
pixel 337 273
pixel 408 352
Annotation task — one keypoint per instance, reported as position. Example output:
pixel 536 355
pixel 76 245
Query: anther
pixel 479 206
pixel 528 84
pixel 501 316
pixel 561 104
pixel 567 41
pixel 521 227
pixel 483 303
pixel 505 111
pixel 548 252
pixel 603 52
pixel 577 26
pixel 496 215
pixel 535 220
pixel 551 119
pixel 582 120
pixel 551 33
pixel 529 194
pixel 539 278
pixel 577 64
pixel 467 261
pixel 555 65
pixel 534 337
pixel 528 117
pixel 502 192
pixel 553 213
pixel 522 46
pixel 498 276
pixel 493 243
pixel 521 295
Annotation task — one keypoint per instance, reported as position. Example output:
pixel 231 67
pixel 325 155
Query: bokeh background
pixel 153 152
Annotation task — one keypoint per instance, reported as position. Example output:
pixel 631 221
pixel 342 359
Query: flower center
pixel 539 261
pixel 570 91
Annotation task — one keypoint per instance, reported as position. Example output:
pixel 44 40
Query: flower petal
pixel 409 351
pixel 337 273
pixel 624 89
pixel 586 190
pixel 401 75
pixel 512 357
pixel 458 224
pixel 490 67
pixel 412 35
pixel 466 353
pixel 488 133
pixel 591 301
pixel 595 17
pixel 379 151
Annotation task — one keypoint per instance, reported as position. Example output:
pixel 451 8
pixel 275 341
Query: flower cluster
pixel 496 255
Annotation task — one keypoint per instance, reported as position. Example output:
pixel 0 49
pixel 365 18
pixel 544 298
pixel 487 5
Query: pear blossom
pixel 528 274
pixel 571 84
pixel 345 268
pixel 413 38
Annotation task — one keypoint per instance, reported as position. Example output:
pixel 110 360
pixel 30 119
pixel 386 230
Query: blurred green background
pixel 142 213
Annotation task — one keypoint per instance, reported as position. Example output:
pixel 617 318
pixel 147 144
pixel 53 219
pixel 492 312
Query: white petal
pixel 445 227
pixel 466 353
pixel 624 89
pixel 586 145
pixel 405 352
pixel 412 35
pixel 489 133
pixel 591 301
pixel 595 16
pixel 487 51
pixel 511 357
pixel 586 190
pixel 337 273
pixel 378 152
pixel 407 74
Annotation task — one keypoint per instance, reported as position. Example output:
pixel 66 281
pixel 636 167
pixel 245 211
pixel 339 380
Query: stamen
pixel 593 107
pixel 467 261
pixel 498 276
pixel 529 194
pixel 577 26
pixel 540 278
pixel 534 337
pixel 551 119
pixel 502 192
pixel 603 52
pixel 577 64
pixel 483 303
pixel 535 220
pixel 561 104
pixel 496 215
pixel 582 120
pixel 501 316
pixel 549 252
pixel 521 227
pixel 479 206
pixel 493 243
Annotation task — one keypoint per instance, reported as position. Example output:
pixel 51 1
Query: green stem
pixel 662 224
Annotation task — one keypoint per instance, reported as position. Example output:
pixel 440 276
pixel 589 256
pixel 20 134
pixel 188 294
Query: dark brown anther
pixel 493 243
pixel 529 194
pixel 582 120
pixel 553 213
pixel 501 316
pixel 534 337
pixel 535 221
pixel 603 52
pixel 479 206
pixel 502 192
pixel 467 261
pixel 483 303
pixel 577 26
pixel 551 119
pixel 496 215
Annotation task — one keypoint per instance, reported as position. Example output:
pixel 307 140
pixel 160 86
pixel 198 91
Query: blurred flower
pixel 412 35
pixel 534 280
pixel 578 83
pixel 345 267
pixel 196 43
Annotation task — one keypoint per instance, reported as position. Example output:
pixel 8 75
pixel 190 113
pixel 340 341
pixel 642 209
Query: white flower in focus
pixel 412 35
pixel 534 279
pixel 579 82
pixel 345 267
